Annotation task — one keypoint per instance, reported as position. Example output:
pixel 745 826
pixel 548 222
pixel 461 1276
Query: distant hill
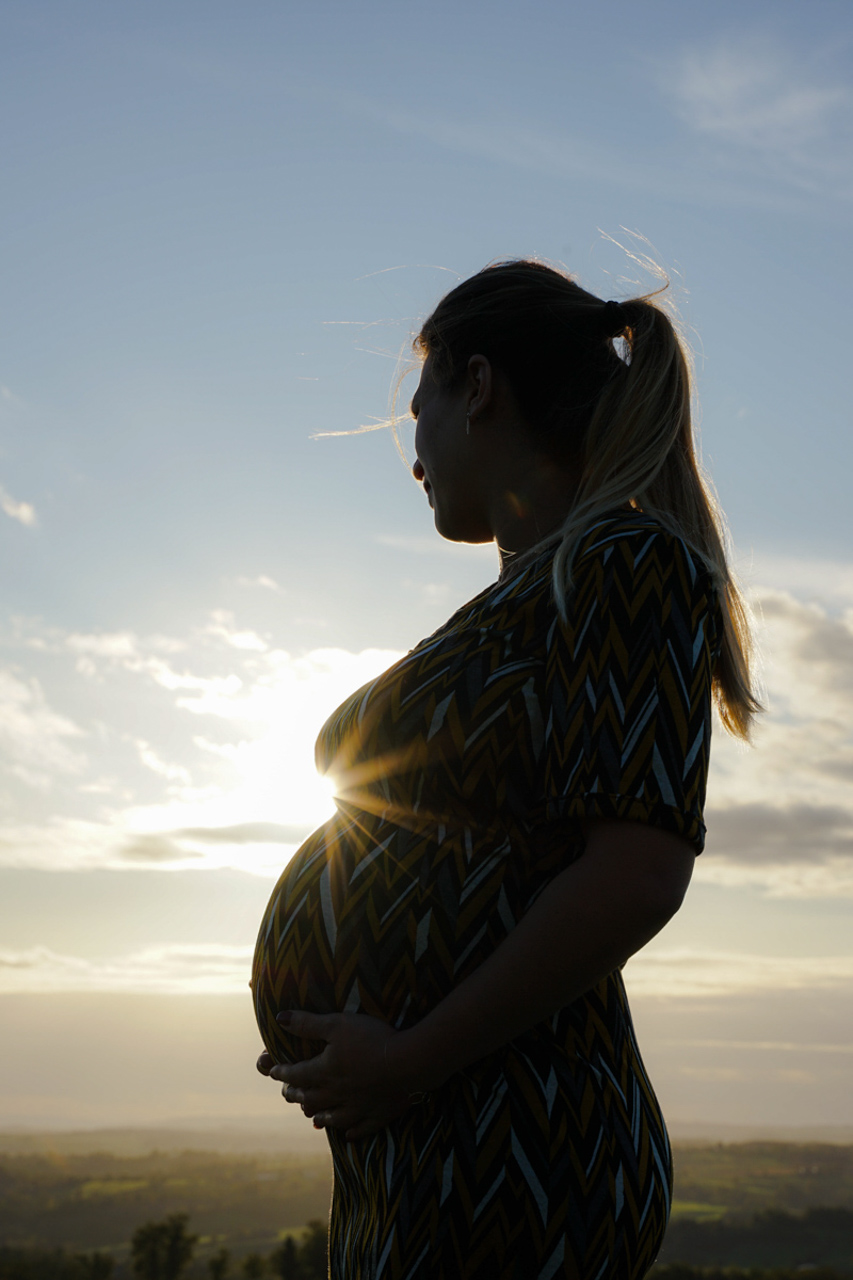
pixel 295 1138
pixel 697 1131
pixel 749 1203
pixel 290 1133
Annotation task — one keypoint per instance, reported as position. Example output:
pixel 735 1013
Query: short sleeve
pixel 628 686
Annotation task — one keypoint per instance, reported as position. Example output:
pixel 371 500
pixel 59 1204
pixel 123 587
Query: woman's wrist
pixel 408 1068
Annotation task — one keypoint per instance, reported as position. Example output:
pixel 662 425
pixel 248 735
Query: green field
pixel 752 1204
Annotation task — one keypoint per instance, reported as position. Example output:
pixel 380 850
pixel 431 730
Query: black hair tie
pixel 614 319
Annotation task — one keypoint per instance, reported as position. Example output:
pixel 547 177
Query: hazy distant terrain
pixel 96 1201
pixel 757 1203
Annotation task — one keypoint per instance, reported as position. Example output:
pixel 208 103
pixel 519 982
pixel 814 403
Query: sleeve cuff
pixel 596 804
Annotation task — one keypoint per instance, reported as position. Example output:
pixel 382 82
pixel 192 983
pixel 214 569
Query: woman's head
pixel 554 343
pixel 618 420
pixel 550 339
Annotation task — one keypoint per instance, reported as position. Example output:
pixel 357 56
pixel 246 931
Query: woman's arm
pixel 602 909
pixel 629 882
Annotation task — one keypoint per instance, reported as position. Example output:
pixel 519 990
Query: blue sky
pixel 221 225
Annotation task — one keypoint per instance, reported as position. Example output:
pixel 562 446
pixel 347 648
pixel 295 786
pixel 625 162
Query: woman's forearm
pixel 587 921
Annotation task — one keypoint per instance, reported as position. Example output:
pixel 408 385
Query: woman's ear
pixel 479 385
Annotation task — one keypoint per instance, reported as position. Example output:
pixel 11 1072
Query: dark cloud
pixel 154 848
pixel 823 640
pixel 172 846
pixel 835 767
pixel 790 833
pixel 248 833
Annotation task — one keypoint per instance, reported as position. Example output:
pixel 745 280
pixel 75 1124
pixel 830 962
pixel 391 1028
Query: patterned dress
pixel 463 776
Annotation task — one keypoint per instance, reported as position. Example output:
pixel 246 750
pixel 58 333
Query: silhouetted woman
pixel 519 804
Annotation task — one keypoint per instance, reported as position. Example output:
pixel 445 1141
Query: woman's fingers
pixel 311 1101
pixel 313 1026
pixel 311 1074
pixel 344 1087
pixel 265 1063
pixel 339 1118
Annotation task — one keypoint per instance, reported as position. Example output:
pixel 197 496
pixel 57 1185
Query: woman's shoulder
pixel 635 542
pixel 619 549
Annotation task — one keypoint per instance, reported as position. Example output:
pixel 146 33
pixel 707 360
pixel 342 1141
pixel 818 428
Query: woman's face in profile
pixel 444 457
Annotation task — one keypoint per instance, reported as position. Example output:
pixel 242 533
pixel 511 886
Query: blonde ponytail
pixel 625 422
pixel 639 449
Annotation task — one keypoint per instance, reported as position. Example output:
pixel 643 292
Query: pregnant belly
pixel 371 918
pixel 294 962
pixel 346 928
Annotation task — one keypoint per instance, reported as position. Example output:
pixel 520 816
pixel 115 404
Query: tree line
pixel 164 1251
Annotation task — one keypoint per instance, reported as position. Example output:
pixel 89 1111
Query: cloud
pixel 828 582
pixel 219 846
pixel 58 842
pixel 224 627
pixel 781 814
pixel 151 791
pixel 680 972
pixel 149 757
pixel 764 833
pixel 34 739
pixel 756 98
pixel 169 970
pixel 23 512
pixel 771 1046
pixel 701 88
pixel 268 584
pixel 249 833
pixel 217 968
pixel 121 645
pixel 758 102
pixel 153 849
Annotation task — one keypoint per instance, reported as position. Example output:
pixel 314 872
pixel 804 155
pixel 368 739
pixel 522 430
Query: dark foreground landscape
pixel 758 1209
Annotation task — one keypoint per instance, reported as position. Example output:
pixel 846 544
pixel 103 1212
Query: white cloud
pixel 35 739
pixel 223 626
pixel 23 512
pixel 262 580
pixel 781 814
pixel 766 108
pixel 173 772
pixel 152 792
pixel 167 970
pixel 680 972
pixel 756 98
pixel 771 1046
pixel 121 645
pixel 829 582
pixel 219 969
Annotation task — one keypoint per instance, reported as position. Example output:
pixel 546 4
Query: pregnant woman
pixel 519 803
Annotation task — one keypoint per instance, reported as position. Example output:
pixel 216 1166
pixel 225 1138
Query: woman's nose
pixel 418 471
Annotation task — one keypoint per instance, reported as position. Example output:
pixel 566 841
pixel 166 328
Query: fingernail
pixel 283 1019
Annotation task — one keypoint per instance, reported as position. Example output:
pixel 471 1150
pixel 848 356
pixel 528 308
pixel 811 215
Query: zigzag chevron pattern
pixel 463 774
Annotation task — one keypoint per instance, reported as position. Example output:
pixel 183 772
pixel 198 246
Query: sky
pixel 221 226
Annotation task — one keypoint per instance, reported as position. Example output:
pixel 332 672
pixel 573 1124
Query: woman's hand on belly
pixel 349 1085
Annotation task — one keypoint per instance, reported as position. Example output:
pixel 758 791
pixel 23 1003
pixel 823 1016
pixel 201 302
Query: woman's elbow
pixel 652 867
